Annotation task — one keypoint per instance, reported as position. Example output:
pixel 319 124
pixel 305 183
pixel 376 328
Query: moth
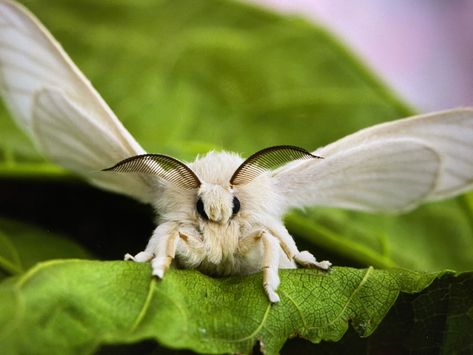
pixel 222 214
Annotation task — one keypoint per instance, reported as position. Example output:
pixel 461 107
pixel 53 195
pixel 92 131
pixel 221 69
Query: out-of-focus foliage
pixel 22 246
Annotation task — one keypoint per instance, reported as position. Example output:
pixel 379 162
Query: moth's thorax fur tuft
pixel 216 167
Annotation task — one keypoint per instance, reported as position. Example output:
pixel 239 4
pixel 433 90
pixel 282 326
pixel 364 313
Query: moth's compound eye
pixel 200 209
pixel 236 205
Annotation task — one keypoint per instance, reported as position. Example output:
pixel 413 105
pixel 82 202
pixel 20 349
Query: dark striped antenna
pixel 162 166
pixel 266 160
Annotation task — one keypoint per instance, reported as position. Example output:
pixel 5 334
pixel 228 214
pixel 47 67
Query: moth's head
pixel 216 203
pixel 216 200
pixel 216 187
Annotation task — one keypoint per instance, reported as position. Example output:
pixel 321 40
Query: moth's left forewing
pixel 449 133
pixel 387 176
pixel 391 167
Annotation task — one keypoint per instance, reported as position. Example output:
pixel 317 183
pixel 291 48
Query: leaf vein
pixel 297 307
pixel 355 291
pixel 144 308
pixel 257 330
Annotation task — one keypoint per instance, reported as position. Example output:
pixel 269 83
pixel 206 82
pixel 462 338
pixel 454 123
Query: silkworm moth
pixel 222 214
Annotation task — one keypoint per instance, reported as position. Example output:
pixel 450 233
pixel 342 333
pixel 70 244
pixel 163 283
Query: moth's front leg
pixel 270 264
pixel 161 248
pixel 303 258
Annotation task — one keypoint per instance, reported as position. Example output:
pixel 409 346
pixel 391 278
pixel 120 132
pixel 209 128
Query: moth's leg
pixel 288 245
pixel 161 248
pixel 190 249
pixel 148 253
pixel 165 253
pixel 303 258
pixel 270 260
pixel 249 242
pixel 270 265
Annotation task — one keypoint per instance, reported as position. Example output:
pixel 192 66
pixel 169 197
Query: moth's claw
pixel 128 257
pixel 306 259
pixel 159 273
pixel 272 296
pixel 160 265
pixel 324 265
pixel 141 257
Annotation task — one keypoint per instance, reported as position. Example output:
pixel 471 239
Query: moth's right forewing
pixel 69 136
pixel 57 106
pixel 31 59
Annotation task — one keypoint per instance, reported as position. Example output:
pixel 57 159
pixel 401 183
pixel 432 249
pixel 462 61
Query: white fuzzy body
pixel 221 247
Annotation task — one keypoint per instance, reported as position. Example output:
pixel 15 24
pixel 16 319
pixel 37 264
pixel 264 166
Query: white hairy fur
pixel 391 167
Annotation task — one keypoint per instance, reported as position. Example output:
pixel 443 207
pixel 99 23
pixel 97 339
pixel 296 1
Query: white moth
pixel 221 214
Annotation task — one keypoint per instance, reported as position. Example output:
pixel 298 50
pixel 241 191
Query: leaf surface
pixel 73 306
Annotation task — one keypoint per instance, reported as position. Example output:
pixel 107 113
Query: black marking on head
pixel 236 205
pixel 162 166
pixel 268 159
pixel 200 209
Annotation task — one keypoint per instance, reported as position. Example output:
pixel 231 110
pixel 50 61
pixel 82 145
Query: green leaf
pixel 435 321
pixel 72 307
pixel 22 246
